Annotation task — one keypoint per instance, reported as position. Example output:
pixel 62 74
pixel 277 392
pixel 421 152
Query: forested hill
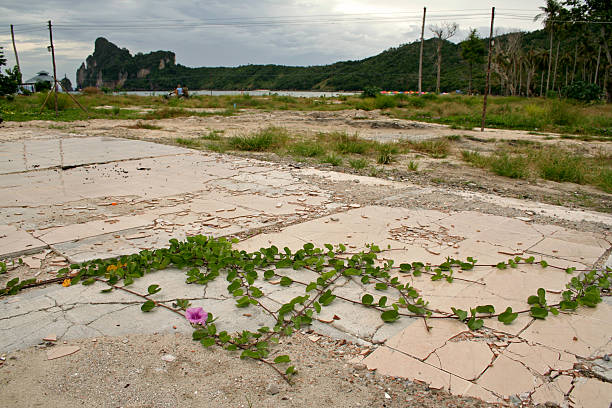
pixel 393 69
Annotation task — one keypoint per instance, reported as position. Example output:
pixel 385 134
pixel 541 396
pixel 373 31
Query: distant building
pixel 41 76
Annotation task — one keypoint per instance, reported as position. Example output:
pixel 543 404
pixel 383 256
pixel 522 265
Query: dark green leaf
pixel 153 289
pixel 462 314
pixel 147 306
pixel 389 316
pixel 367 299
pixel 538 312
pixel 286 281
pixel 475 324
pixel 488 309
pixel 208 341
pixel 507 317
pixel 282 359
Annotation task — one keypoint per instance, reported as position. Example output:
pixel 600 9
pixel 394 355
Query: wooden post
pixel 15 50
pixel 421 53
pixel 54 70
pixel 487 89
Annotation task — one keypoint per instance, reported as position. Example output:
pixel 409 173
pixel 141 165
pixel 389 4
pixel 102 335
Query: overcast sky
pixel 232 33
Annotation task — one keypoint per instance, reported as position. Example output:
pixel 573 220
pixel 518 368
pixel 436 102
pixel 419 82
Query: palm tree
pixel 549 12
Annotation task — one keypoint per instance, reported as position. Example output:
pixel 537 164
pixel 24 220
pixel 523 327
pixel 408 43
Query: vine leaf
pixel 461 314
pixel 475 324
pixel 367 299
pixel 507 317
pixel 153 289
pixel 389 316
pixel 147 306
pixel 538 312
pixel 282 359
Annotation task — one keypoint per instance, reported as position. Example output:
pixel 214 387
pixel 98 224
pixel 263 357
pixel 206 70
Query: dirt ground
pixel 130 372
pixel 450 172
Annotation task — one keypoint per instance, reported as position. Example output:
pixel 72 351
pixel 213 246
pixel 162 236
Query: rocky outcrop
pixel 115 68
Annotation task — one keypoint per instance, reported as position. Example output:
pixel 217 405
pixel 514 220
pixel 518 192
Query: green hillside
pixel 393 69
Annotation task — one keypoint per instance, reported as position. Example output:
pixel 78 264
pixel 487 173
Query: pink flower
pixel 196 315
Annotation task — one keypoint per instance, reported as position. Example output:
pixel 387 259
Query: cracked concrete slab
pixel 127 196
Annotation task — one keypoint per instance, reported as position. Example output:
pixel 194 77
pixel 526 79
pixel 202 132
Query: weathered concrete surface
pixel 132 195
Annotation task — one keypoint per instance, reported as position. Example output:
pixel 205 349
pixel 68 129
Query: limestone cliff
pixel 113 67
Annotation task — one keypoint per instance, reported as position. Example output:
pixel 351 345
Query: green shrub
pixel 582 91
pixel 264 140
pixel 351 144
pixel 385 153
pixel 307 149
pixel 370 92
pixel 358 164
pixel 559 165
pixel 385 102
pixel 332 159
pixel 475 158
pixel 506 165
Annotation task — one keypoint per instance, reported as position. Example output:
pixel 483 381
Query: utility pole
pixel 421 53
pixel 54 70
pixel 15 49
pixel 487 89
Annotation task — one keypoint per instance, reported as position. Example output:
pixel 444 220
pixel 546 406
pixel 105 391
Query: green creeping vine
pixel 205 259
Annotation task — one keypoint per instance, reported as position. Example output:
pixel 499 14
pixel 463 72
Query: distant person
pixel 179 91
pixel 186 92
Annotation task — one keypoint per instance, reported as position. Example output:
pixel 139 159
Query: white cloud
pixel 293 32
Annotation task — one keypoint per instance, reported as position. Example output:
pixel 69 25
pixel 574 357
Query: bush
pixel 385 102
pixel 42 86
pixel 370 92
pixel 582 91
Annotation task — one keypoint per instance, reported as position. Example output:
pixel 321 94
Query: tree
pixel 9 83
pixel 473 52
pixel 549 12
pixel 596 11
pixel 442 33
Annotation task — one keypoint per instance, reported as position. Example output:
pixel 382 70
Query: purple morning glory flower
pixel 196 315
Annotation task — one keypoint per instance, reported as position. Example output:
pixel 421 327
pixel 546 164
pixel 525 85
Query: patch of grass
pixel 559 165
pixel 267 139
pixel 332 159
pixel 385 153
pixel 358 164
pixel 217 147
pixel 436 148
pixel 547 162
pixel 307 149
pixel 212 135
pixel 166 113
pixel 346 144
pixel 513 166
pixel 475 158
pixel 187 142
pixel 453 138
pixel 413 166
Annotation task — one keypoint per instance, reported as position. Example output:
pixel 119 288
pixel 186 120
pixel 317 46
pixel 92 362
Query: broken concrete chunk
pixel 57 352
